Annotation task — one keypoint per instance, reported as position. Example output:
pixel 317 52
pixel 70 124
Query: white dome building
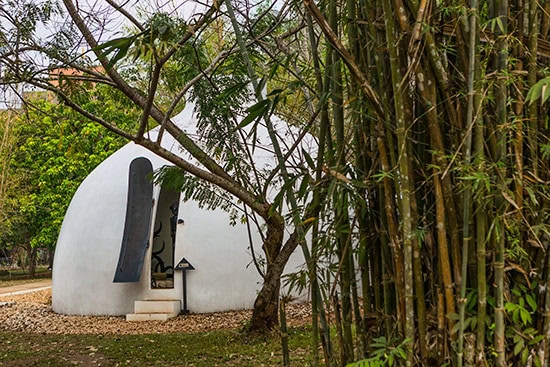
pixel 117 246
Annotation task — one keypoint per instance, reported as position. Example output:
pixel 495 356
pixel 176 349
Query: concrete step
pixel 157 306
pixel 150 316
pixel 154 310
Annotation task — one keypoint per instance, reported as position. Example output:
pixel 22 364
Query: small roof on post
pixel 183 264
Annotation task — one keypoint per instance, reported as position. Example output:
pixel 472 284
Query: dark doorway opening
pixel 164 240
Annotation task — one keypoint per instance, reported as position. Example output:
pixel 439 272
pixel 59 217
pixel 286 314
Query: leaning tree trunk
pixel 265 313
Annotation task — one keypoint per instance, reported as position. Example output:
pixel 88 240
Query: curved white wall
pixel 89 243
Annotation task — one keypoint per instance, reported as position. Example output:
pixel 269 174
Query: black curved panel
pixel 135 239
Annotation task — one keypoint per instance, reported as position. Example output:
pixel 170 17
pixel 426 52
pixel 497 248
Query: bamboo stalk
pixel 441 343
pixel 443 252
pixel 284 332
pixel 467 208
pixel 501 100
pixel 355 120
pixel 427 90
pixel 314 284
pixel 340 199
pixel 393 238
pixel 532 130
pixel 481 239
pixel 418 275
pixel 545 358
pixel 405 192
pixel 481 225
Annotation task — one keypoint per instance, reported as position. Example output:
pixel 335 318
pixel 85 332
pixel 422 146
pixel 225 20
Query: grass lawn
pixel 215 348
pixel 219 348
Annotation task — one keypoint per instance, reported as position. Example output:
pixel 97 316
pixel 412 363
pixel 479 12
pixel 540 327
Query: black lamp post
pixel 184 266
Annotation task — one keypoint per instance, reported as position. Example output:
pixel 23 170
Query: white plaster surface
pixel 90 238
pixel 89 242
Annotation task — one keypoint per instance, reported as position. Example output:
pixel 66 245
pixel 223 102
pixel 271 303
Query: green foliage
pixel 219 103
pixel 206 195
pixel 25 16
pixel 162 33
pixel 522 334
pixel 136 54
pixel 384 354
pixel 540 91
pixel 518 311
pixel 56 150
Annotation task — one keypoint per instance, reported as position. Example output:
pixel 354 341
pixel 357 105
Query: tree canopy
pixel 51 150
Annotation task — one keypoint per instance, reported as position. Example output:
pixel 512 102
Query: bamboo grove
pixel 424 219
pixel 445 154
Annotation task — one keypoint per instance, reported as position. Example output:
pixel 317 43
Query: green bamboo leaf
pixel 515 315
pixel 536 340
pixel 545 93
pixel 455 328
pixel 118 46
pixel 278 201
pixel 309 160
pixel 379 342
pixel 540 89
pixel 524 355
pixel 531 301
pixel 473 324
pixel 275 92
pixel 304 186
pixel 519 347
pixel 254 112
pixel 453 316
pixel 121 53
pixel 534 93
pixel 401 353
pixel 273 69
pixel 525 316
pixel 232 91
pixel 111 45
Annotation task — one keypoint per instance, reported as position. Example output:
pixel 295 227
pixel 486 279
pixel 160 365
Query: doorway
pixel 164 236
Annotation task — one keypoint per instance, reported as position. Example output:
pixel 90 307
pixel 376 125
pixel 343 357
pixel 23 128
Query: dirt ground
pixel 31 312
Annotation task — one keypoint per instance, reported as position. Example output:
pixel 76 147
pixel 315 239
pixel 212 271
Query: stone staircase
pixel 154 310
